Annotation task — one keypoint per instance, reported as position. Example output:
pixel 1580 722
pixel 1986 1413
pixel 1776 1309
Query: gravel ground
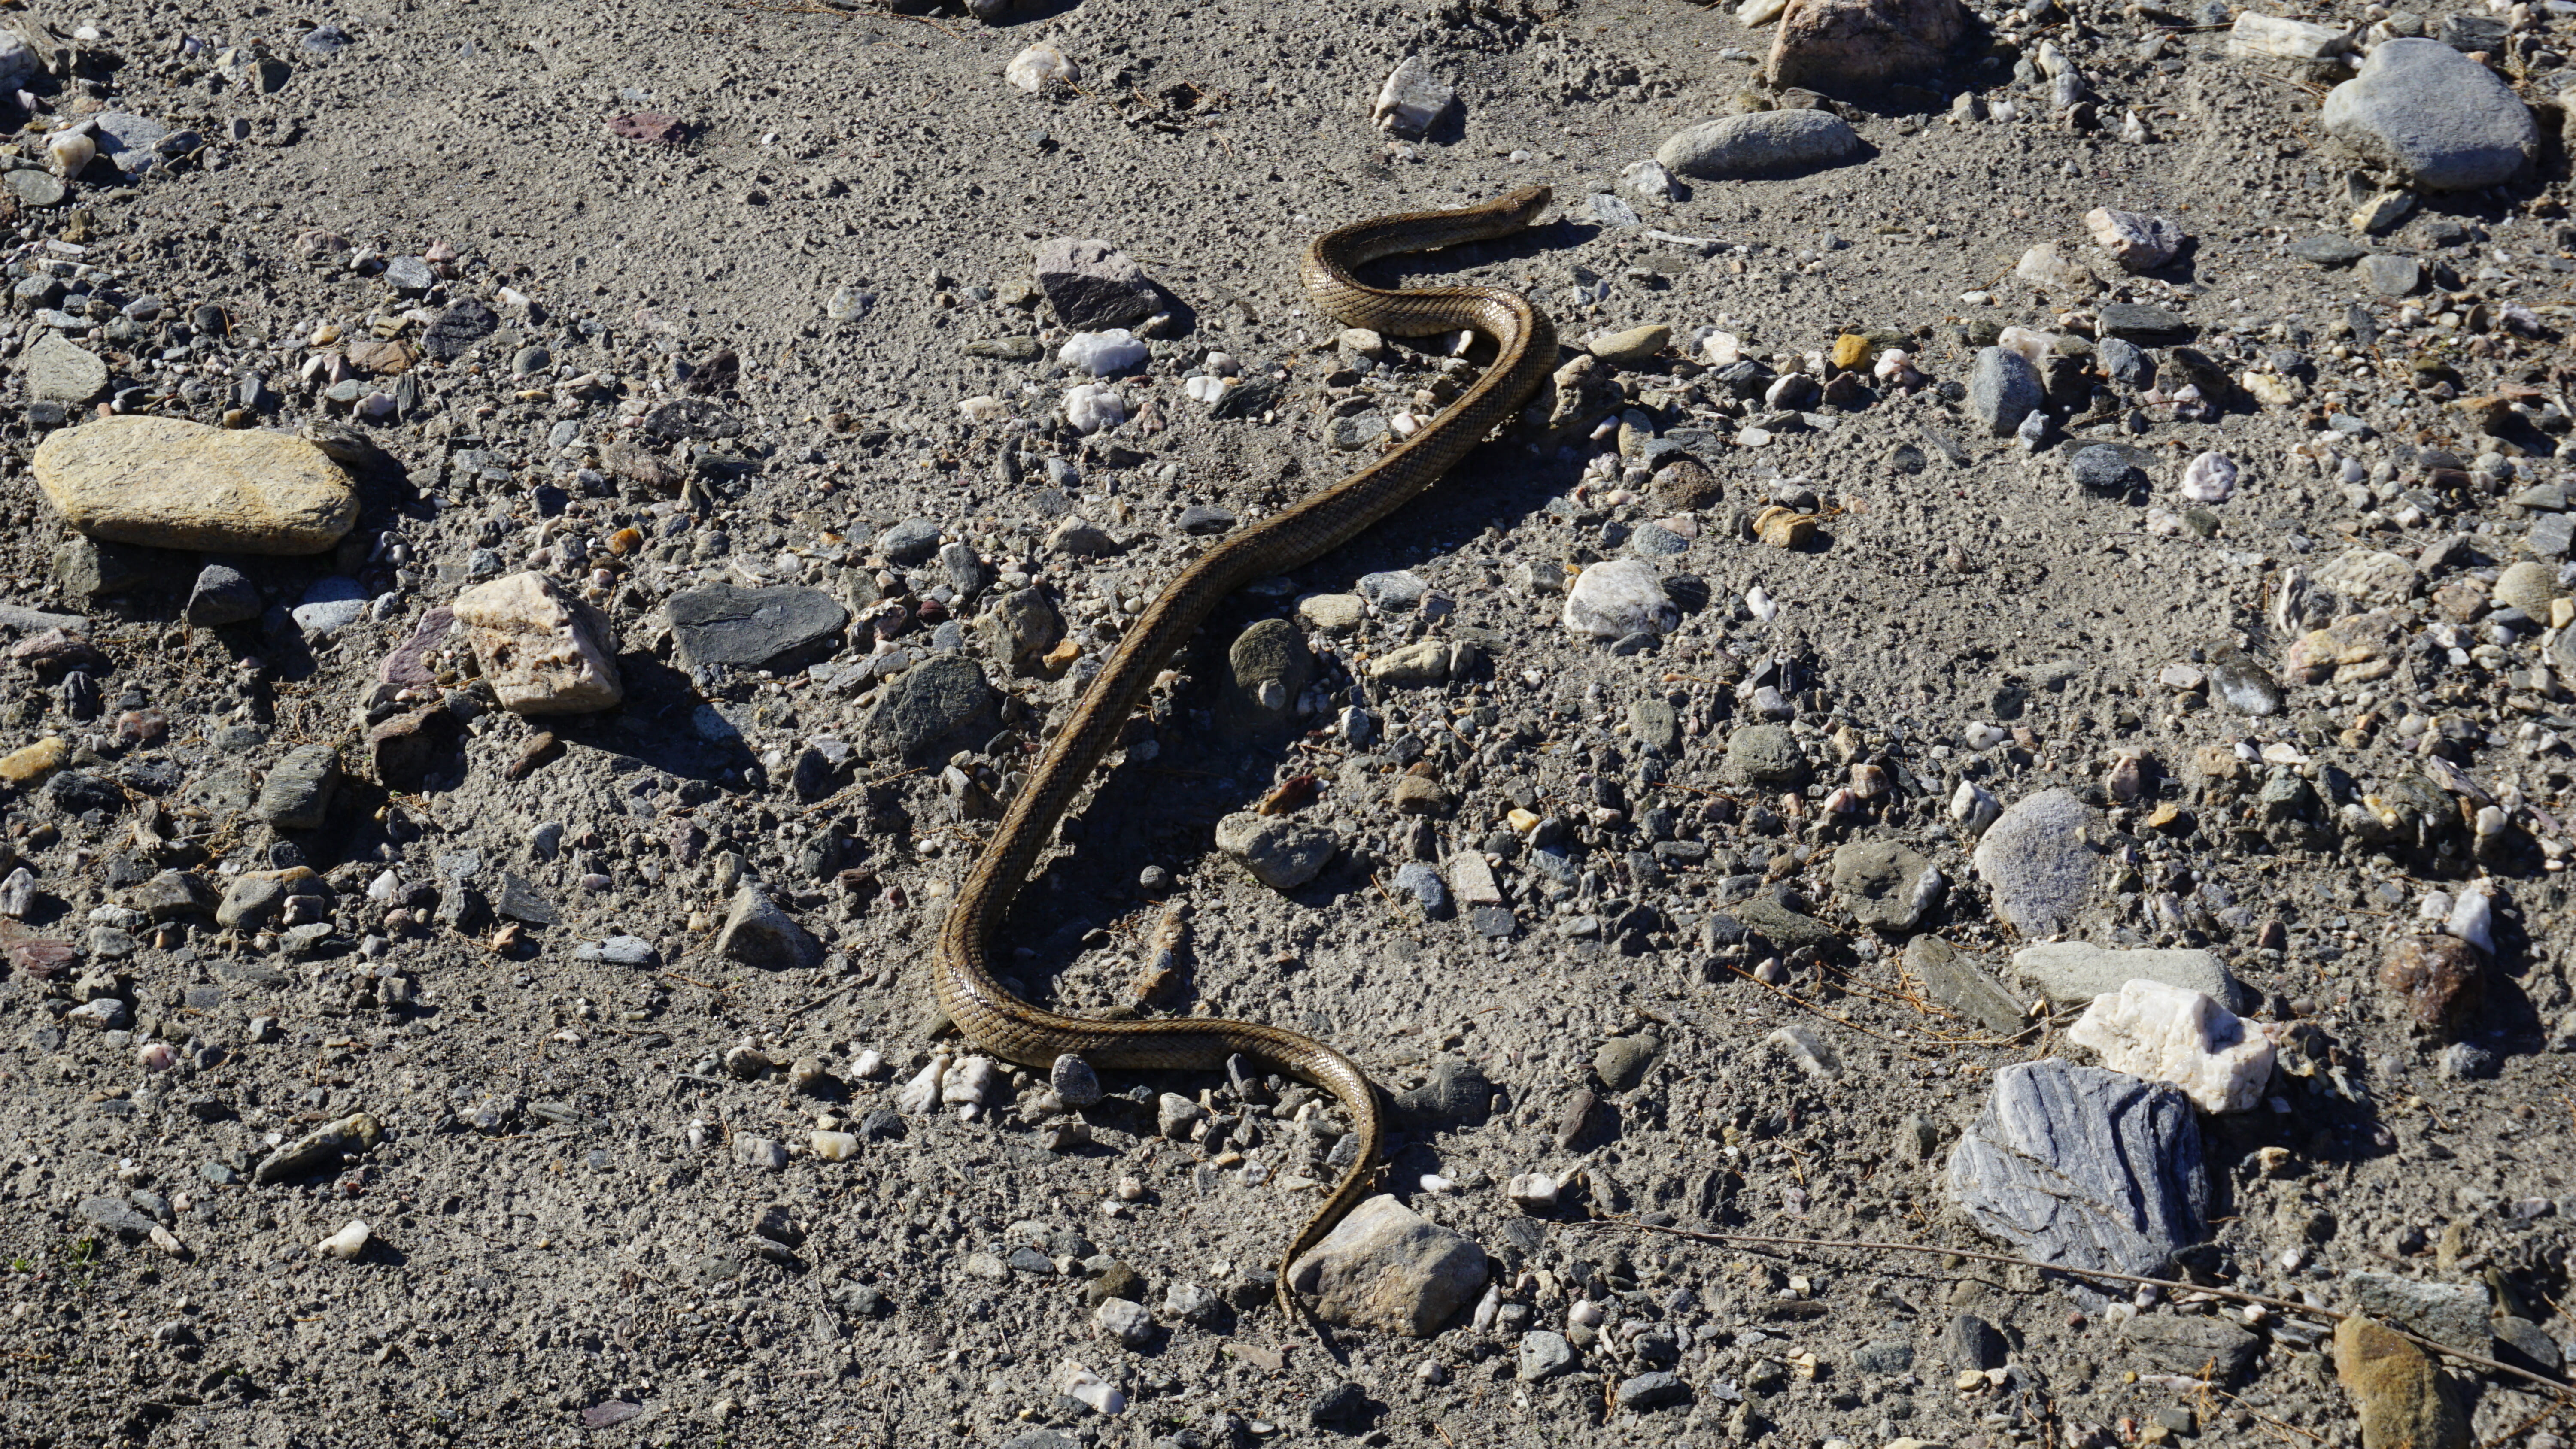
pixel 649 299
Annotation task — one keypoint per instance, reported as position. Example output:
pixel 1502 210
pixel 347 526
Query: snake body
pixel 1012 1029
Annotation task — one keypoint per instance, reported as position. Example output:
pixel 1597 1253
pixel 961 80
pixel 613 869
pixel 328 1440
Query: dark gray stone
pixel 1779 925
pixel 2144 323
pixel 1652 1391
pixel 1622 1061
pixel 1880 883
pixel 1655 726
pixel 2551 535
pixel 521 901
pixel 2124 362
pixel 2105 469
pixel 2327 251
pixel 1970 1342
pixel 2445 1313
pixel 2083 1168
pixel 297 793
pixel 115 1215
pixel 1884 1357
pixel 1092 284
pixel 223 596
pixel 2003 389
pixel 776 628
pixel 90 569
pixel 2392 276
pixel 1766 754
pixel 909 542
pixel 464 323
pixel 2441 120
pixel 173 894
pixel 941 698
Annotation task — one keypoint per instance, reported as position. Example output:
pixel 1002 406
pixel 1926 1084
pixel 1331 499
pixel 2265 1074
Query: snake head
pixel 1524 205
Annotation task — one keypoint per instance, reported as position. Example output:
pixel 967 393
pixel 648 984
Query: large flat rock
pixel 2440 119
pixel 170 483
pixel 774 628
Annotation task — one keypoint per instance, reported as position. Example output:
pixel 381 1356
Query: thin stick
pixel 1820 1011
pixel 2232 1294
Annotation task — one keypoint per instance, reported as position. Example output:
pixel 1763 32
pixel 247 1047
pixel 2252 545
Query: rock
pixel 543 650
pixel 1386 1269
pixel 346 1244
pixel 2242 684
pixel 1881 883
pixel 2143 323
pixel 2530 586
pixel 1456 1092
pixel 2402 1399
pixel 1852 47
pixel 2442 979
pixel 1617 599
pixel 1281 852
pixel 2392 276
pixel 1125 1321
pixel 1333 613
pixel 329 606
pixel 1634 345
pixel 2084 1168
pixel 1886 1356
pixel 1643 1392
pixel 1806 1051
pixel 2040 861
pixel 222 595
pixel 1425 661
pixel 1413 99
pixel 1763 143
pixel 2441 120
pixel 2370 577
pixel 466 321
pixel 167 483
pixel 757 933
pixel 297 793
pixel 1543 1355
pixel 30 765
pixel 2136 241
pixel 90 569
pixel 2352 650
pixel 255 897
pixel 1073 1081
pixel 2446 1314
pixel 1266 671
pixel 1019 629
pixel 2072 973
pixel 1766 754
pixel 1958 984
pixel 778 628
pixel 2105 469
pixel 116 1215
pixel 941 700
pixel 59 370
pixel 174 895
pixel 1092 284
pixel 2167 1034
pixel 907 543
pixel 2192 1346
pixel 1970 1342
pixel 1622 1061
pixel 2003 389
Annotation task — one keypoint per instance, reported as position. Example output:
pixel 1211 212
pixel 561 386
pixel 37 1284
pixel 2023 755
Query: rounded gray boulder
pixel 2443 120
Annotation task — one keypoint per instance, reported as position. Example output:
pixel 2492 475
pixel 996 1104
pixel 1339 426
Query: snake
pixel 999 1022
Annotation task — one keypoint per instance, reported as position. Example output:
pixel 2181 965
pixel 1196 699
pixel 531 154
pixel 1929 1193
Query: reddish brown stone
pixel 653 126
pixel 43 959
pixel 2440 978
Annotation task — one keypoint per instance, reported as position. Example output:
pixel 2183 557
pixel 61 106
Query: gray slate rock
pixel 2072 973
pixel 1779 925
pixel 2144 323
pixel 942 697
pixel 60 370
pixel 2392 276
pixel 2328 252
pixel 1958 983
pixel 1766 754
pixel 297 793
pixel 909 542
pixel 2443 121
pixel 1543 1356
pixel 2192 1345
pixel 2040 861
pixel 774 628
pixel 222 595
pixel 2442 1312
pixel 1971 1342
pixel 2084 1168
pixel 2105 469
pixel 1764 143
pixel 2003 389
pixel 115 1215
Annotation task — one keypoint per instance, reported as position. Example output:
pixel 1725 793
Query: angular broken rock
pixel 1843 47
pixel 1387 1269
pixel 1413 99
pixel 757 933
pixel 1282 853
pixel 2083 1168
pixel 169 483
pixel 1092 284
pixel 543 651
pixel 2169 1034
pixel 2135 240
pixel 1959 984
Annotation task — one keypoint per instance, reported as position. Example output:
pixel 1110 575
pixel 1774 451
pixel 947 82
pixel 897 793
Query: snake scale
pixel 1014 1030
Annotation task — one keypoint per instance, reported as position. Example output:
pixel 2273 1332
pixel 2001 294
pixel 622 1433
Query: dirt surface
pixel 573 1234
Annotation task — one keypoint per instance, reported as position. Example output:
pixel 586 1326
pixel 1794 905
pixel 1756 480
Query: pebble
pixel 2105 469
pixel 1281 852
pixel 1092 407
pixel 346 1244
pixel 1619 599
pixel 1387 1269
pixel 2439 979
pixel 61 371
pixel 2168 1034
pixel 1333 613
pixel 329 606
pixel 1634 345
pixel 2439 119
pixel 167 483
pixel 2138 242
pixel 1102 354
pixel 1034 69
pixel 1073 1081
pixel 1093 285
pixel 1881 882
pixel 1543 1355
pixel 2003 389
pixel 779 628
pixel 1852 46
pixel 759 934
pixel 1761 143
pixel 1959 984
pixel 1412 100
pixel 2392 276
pixel 2244 685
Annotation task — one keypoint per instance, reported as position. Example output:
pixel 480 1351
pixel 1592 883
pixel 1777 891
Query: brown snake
pixel 1016 1031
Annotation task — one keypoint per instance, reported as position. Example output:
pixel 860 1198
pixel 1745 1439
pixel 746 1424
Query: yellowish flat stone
pixel 170 483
